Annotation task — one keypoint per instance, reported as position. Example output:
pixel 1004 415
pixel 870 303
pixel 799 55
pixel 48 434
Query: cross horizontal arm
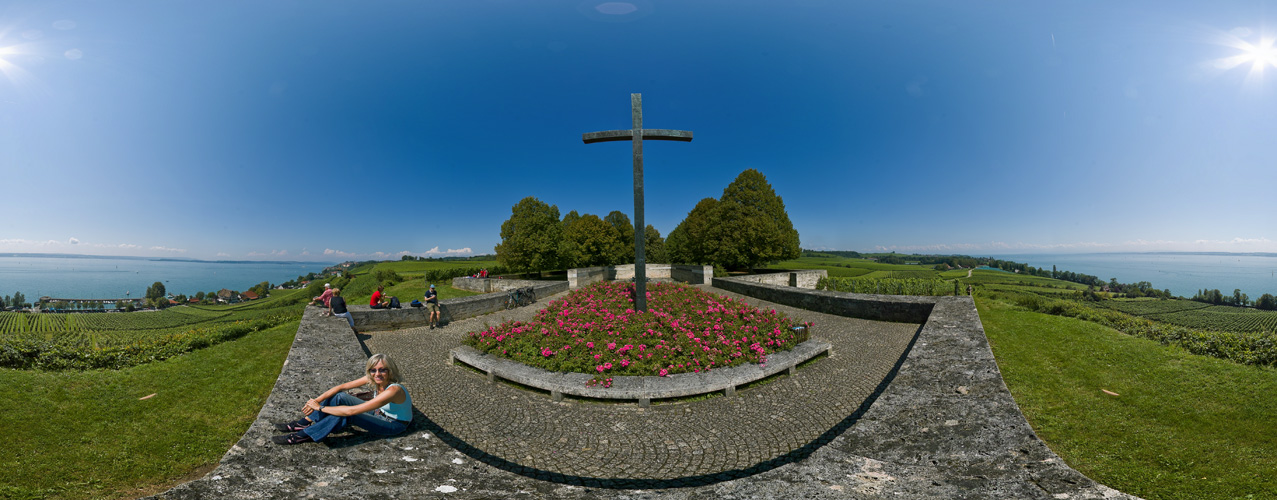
pixel 648 134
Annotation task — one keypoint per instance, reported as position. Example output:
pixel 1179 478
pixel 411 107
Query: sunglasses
pixel 379 370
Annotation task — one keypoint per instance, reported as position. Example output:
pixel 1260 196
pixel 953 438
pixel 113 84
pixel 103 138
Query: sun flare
pixel 1258 56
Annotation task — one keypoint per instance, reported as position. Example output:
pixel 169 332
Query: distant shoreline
pixel 1244 254
pixel 159 259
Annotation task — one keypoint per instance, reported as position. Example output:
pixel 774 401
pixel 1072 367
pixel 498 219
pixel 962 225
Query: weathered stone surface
pixel 881 418
pixel 489 285
pixel 682 273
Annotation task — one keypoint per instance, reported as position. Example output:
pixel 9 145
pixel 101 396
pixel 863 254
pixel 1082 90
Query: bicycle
pixel 519 297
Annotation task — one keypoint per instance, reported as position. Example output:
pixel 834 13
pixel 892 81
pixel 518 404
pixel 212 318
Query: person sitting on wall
pixel 323 297
pixel 337 307
pixel 388 412
pixel 432 306
pixel 380 300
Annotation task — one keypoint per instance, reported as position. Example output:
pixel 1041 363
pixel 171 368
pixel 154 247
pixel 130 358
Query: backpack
pixel 415 303
pixel 394 303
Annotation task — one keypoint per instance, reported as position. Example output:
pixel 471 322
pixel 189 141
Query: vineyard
pixel 1198 315
pixel 58 341
pixel 888 286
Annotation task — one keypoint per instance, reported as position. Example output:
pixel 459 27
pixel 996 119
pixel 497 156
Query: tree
pixel 654 245
pixel 19 300
pixel 592 241
pixel 751 224
pixel 155 290
pixel 1266 301
pixel 530 238
pixel 689 242
pixel 568 256
pixel 263 288
pixel 199 296
pixel 625 230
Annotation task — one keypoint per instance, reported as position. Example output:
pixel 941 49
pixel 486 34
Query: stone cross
pixel 636 136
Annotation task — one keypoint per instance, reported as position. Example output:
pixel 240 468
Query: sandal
pixel 294 438
pixel 296 426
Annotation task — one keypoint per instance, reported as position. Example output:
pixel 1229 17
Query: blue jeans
pixel 375 423
pixel 349 319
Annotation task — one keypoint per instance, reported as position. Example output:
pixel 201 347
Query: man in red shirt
pixel 379 300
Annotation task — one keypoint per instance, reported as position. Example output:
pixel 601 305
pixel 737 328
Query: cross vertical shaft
pixel 640 260
pixel 636 134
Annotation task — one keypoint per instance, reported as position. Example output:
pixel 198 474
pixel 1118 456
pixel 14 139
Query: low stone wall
pixel 686 273
pixel 898 308
pixel 450 310
pixel 489 285
pixel 805 278
pixel 642 389
pixel 583 276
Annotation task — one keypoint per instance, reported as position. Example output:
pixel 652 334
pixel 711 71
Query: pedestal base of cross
pixel 636 136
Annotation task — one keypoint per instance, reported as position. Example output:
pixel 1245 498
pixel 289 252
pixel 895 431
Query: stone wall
pixel 692 274
pixel 489 285
pixel 898 308
pixel 805 278
pixel 686 273
pixel 583 276
pixel 450 310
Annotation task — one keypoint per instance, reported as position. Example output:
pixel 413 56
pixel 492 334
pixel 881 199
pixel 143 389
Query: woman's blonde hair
pixel 391 377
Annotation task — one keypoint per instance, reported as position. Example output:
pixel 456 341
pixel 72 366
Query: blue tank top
pixel 398 411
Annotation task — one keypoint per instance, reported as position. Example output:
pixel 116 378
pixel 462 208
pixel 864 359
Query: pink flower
pixel 664 372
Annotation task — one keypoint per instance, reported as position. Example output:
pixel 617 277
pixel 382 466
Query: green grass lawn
pixel 1183 427
pixel 89 435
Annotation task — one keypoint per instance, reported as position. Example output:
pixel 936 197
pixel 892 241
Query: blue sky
pixel 329 130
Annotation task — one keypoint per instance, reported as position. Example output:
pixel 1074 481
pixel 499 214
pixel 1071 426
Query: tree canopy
pixel 592 242
pixel 690 242
pixel 155 291
pixel 746 227
pixel 530 238
pixel 752 226
pixel 625 231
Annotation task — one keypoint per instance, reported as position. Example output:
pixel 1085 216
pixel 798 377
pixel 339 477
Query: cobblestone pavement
pixel 761 428
pixel 865 423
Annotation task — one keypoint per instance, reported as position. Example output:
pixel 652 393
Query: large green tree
pixel 690 242
pixel 530 238
pixel 593 242
pixel 751 225
pixel 654 246
pixel 625 229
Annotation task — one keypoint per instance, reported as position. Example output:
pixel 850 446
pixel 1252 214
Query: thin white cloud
pixel 167 249
pixel 74 241
pixel 223 254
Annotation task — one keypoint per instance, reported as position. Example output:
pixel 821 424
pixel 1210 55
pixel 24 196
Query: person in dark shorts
pixel 432 306
pixel 380 300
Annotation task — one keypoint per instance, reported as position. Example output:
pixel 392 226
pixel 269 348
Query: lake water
pixel 111 278
pixel 1182 273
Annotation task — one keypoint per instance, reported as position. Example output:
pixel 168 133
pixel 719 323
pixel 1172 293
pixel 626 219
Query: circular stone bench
pixel 643 389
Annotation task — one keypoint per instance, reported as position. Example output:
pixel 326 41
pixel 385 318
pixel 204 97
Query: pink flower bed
pixel 595 330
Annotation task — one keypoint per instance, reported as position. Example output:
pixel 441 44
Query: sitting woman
pixel 388 412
